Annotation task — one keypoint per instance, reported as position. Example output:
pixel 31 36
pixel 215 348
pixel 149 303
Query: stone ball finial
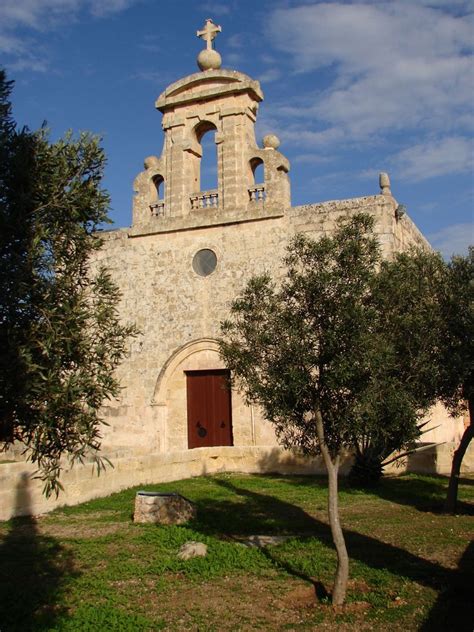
pixel 271 141
pixel 150 162
pixel 209 59
pixel 384 183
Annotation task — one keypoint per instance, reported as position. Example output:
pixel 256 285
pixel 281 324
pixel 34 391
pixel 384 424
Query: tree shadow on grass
pixel 249 513
pixel 453 609
pixel 258 513
pixel 423 493
pixel 33 569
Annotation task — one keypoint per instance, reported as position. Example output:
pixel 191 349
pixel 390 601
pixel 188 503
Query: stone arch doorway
pixel 194 402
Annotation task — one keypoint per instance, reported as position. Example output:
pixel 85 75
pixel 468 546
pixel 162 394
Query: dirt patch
pixel 303 596
pixel 86 526
pixel 245 604
pixel 83 531
pixel 358 586
pixel 353 606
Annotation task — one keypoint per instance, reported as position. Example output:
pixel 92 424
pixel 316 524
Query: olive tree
pixel 405 376
pixel 456 367
pixel 302 351
pixel 427 305
pixel 60 332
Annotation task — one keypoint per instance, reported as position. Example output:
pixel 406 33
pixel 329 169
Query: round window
pixel 204 262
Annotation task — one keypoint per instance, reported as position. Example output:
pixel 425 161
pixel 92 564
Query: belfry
pixel 225 102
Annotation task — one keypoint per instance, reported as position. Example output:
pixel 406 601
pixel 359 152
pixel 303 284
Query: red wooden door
pixel 209 408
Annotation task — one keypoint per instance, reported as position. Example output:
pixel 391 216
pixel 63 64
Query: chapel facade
pixel 189 252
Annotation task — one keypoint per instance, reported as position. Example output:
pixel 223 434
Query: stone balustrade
pixel 158 208
pixel 205 199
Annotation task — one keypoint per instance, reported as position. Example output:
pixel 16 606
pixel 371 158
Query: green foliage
pixel 60 333
pixel 457 317
pixel 405 343
pixel 91 618
pixel 302 347
pixel 427 306
pixel 332 338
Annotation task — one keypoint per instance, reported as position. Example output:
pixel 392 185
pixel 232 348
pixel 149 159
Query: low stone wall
pixel 20 494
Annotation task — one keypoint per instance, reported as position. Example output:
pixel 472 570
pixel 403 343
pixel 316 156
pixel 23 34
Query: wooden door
pixel 209 408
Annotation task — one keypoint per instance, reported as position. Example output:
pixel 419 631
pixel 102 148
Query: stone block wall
pixel 176 309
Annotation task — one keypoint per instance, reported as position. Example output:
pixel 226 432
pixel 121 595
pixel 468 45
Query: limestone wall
pixel 20 494
pixel 176 309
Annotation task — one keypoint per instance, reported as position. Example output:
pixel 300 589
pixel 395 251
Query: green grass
pixel 90 567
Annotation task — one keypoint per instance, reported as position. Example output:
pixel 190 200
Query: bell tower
pixel 224 103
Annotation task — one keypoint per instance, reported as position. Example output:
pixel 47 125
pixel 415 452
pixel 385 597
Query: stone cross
pixel 209 32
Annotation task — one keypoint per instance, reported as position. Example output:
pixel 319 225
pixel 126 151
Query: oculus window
pixel 204 262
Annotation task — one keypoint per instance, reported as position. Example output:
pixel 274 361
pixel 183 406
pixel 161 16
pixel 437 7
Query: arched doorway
pixel 193 393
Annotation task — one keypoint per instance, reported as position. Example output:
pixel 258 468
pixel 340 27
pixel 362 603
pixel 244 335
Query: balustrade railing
pixel 257 193
pixel 205 199
pixel 157 208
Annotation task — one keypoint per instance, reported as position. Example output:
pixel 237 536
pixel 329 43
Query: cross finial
pixel 209 32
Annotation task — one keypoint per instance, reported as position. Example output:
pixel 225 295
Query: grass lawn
pixel 90 568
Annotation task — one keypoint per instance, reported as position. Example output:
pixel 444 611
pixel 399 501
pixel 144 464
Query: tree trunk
pixel 332 467
pixel 452 495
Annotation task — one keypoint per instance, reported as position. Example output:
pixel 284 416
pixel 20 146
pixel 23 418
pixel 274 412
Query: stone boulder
pixel 192 549
pixel 163 508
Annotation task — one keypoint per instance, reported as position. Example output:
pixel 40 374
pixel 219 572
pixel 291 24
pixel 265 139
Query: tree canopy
pixel 60 333
pixel 428 307
pixel 456 374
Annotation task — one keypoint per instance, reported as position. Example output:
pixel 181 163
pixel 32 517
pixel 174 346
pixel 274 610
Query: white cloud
pixel 232 59
pixel 295 135
pixel 311 159
pixel 434 158
pixel 102 8
pixel 42 14
pixel 235 41
pixel 216 8
pixel 18 16
pixel 454 239
pixel 396 65
pixel 11 45
pixel 271 74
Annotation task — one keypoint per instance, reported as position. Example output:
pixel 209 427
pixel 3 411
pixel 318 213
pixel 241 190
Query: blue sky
pixel 351 89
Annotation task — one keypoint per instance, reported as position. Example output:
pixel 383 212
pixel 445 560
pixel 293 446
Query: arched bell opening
pixel 257 180
pixel 205 174
pixel 157 194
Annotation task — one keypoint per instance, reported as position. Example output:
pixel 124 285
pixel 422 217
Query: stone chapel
pixel 190 251
pixel 187 255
